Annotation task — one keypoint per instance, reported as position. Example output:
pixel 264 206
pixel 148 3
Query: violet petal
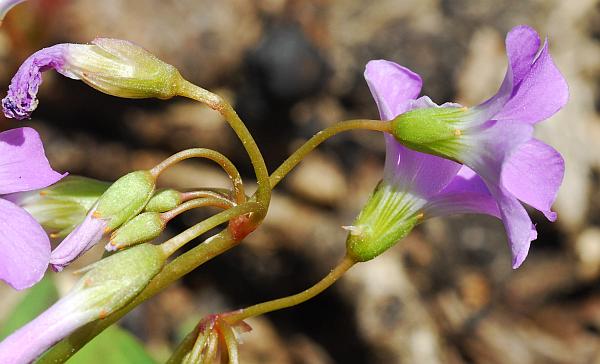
pixel 51 326
pixel 25 247
pixel 80 240
pixel 519 228
pixel 540 94
pixel 394 88
pixel 533 174
pixel 23 164
pixel 465 194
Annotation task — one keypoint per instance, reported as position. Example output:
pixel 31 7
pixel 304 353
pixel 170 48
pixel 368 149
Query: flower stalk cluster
pixel 440 160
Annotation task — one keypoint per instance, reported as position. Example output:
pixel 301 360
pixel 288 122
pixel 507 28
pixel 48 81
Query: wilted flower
pixel 24 243
pixel 113 66
pixel 493 139
pixel 107 286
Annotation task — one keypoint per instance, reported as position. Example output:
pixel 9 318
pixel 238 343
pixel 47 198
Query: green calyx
pixel 112 282
pixel 164 200
pixel 62 206
pixel 388 216
pixel 434 130
pixel 142 228
pixel 125 198
pixel 121 68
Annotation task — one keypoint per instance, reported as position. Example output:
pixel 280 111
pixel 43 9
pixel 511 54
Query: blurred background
pixel 445 294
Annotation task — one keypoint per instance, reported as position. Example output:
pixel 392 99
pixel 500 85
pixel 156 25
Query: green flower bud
pixel 121 68
pixel 434 130
pixel 112 282
pixel 388 216
pixel 125 198
pixel 142 228
pixel 62 206
pixel 164 200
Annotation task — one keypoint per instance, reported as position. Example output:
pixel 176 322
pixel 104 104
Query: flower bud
pixel 121 68
pixel 433 130
pixel 142 228
pixel 164 200
pixel 388 216
pixel 107 286
pixel 125 198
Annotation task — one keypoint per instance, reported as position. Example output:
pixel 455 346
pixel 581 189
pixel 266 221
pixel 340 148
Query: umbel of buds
pixel 107 286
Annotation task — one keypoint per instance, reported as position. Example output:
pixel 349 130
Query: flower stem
pixel 292 300
pixel 320 137
pixel 263 192
pixel 213 155
pixel 219 202
pixel 170 246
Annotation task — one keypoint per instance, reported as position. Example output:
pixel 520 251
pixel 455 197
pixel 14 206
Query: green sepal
pixel 388 216
pixel 121 68
pixel 62 206
pixel 142 228
pixel 112 282
pixel 434 130
pixel 164 200
pixel 125 198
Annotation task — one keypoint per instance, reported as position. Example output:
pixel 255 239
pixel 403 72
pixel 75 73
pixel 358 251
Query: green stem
pixel 263 192
pixel 213 155
pixel 292 300
pixel 176 242
pixel 320 137
pixel 219 202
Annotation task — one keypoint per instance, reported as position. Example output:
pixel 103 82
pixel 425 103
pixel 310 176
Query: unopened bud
pixel 164 200
pixel 142 228
pixel 125 198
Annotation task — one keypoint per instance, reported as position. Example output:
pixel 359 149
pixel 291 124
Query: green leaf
pixel 115 346
pixel 37 299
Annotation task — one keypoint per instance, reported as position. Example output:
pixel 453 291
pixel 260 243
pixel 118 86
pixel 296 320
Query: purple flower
pixel 24 245
pixel 504 166
pixel 6 5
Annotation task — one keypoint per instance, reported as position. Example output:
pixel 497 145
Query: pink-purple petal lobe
pixel 24 245
pixel 394 89
pixel 517 223
pixel 541 93
pixel 465 194
pixel 23 163
pixel 80 240
pixel 522 45
pixel 392 86
pixel 533 174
